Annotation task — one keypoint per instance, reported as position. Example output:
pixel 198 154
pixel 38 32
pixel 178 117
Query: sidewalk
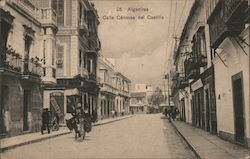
pixel 16 141
pixel 206 145
pixel 110 120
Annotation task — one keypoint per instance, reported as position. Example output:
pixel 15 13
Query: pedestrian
pixel 113 113
pixel 57 118
pixel 94 116
pixel 45 120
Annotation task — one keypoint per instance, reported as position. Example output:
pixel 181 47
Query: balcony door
pixel 25 110
pixel 3 106
pixel 238 101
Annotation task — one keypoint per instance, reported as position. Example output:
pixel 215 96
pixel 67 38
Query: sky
pixel 141 46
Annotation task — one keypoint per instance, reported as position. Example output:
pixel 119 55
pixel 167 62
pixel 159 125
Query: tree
pixel 157 97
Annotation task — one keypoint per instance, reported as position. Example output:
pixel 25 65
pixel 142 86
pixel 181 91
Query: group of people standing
pixel 171 112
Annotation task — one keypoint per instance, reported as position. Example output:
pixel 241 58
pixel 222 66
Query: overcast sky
pixel 140 47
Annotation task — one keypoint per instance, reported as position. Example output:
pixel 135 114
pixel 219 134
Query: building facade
pixel 114 92
pixel 108 89
pixel 26 63
pixel 193 81
pixel 229 39
pixel 211 82
pixel 76 58
pixel 140 98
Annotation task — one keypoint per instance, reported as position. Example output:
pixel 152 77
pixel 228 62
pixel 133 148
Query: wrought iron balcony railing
pixel 11 60
pixel 32 67
pixel 191 69
pixel 83 25
pixel 179 82
pixel 228 19
pixel 92 77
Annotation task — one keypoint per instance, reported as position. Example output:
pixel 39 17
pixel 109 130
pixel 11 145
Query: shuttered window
pixel 58 6
pixel 68 12
pixel 60 52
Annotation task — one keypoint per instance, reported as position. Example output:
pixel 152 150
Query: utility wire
pixel 181 16
pixel 175 17
pixel 169 20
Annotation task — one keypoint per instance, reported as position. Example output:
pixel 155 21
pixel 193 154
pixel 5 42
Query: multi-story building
pixel 211 82
pixel 229 39
pixel 122 99
pixel 108 89
pixel 140 98
pixel 114 93
pixel 76 57
pixel 27 52
pixel 193 81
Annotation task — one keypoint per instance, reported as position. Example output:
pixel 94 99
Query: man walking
pixel 45 120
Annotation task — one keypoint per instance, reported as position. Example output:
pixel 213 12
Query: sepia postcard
pixel 130 79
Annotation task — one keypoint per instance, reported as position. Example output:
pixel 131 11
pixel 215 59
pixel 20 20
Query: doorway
pixel 183 111
pixel 207 110
pixel 3 105
pixel 238 101
pixel 25 110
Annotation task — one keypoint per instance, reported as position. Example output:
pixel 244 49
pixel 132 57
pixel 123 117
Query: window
pixel 85 60
pixel 88 65
pixel 27 45
pixel 60 52
pixel 80 58
pixel 80 11
pixel 58 6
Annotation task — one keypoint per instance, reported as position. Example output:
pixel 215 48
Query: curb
pixel 197 154
pixel 30 142
pixel 53 136
pixel 98 124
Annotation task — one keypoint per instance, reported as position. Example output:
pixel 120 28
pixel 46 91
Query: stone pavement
pixel 20 140
pixel 144 136
pixel 209 146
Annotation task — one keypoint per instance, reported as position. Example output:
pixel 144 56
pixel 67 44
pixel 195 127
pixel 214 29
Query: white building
pixel 139 97
pixel 229 37
pixel 114 92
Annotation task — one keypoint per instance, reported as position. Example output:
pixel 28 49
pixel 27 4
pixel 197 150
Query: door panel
pixel 25 110
pixel 238 110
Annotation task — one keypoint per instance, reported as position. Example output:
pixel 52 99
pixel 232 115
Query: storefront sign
pixel 196 85
pixel 57 103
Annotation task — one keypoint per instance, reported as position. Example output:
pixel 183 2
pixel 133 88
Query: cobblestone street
pixel 142 136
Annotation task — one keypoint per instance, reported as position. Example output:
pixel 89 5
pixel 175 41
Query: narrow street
pixel 141 136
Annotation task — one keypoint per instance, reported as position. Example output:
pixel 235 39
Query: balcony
pixel 107 87
pixel 191 68
pixel 93 41
pixel 179 82
pixel 32 67
pixel 201 61
pixel 92 77
pixel 83 25
pixel 49 75
pixel 228 19
pixel 83 72
pixel 25 5
pixel 47 16
pixel 11 61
